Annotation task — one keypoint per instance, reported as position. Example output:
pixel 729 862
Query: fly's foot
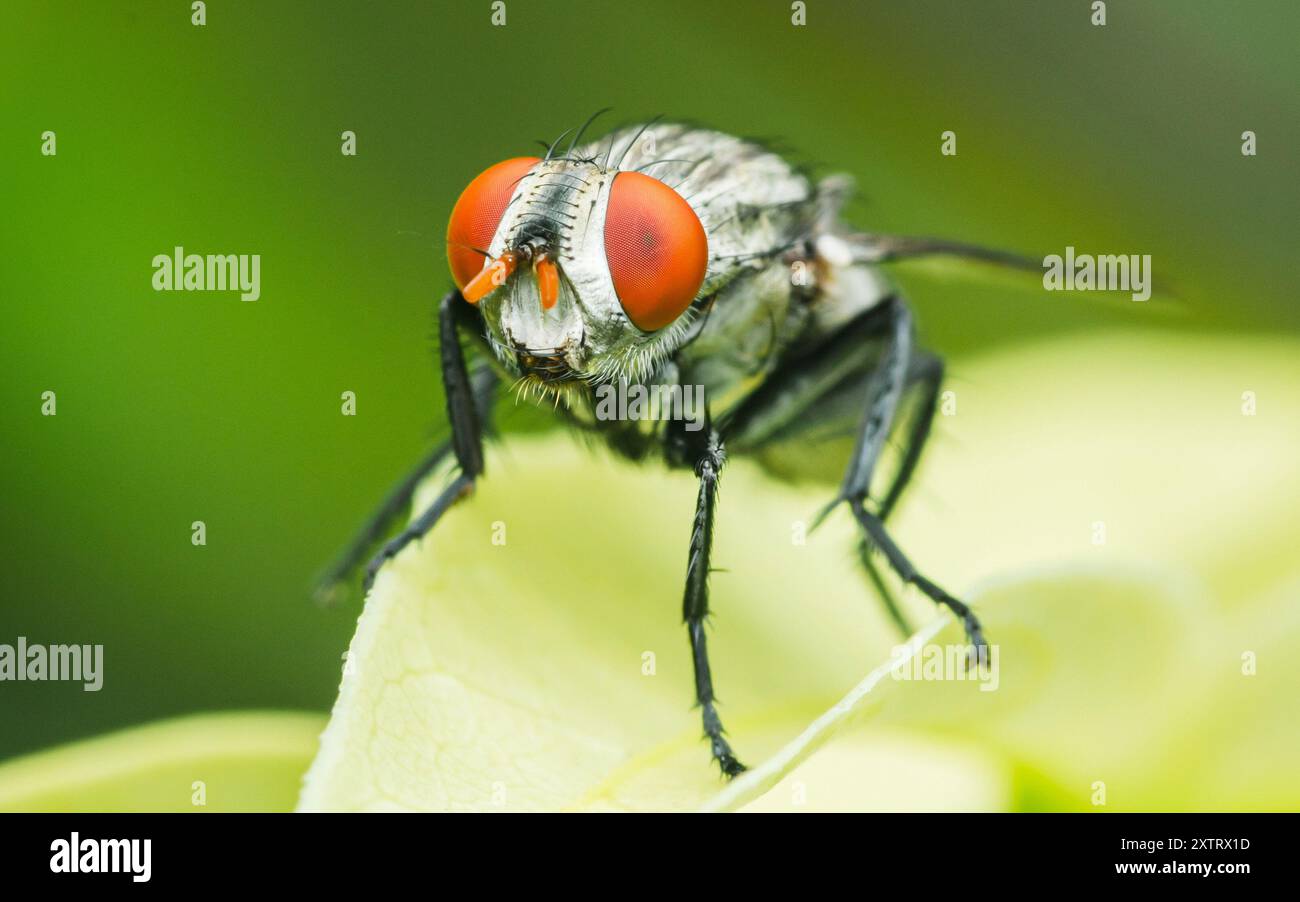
pixel 331 594
pixel 718 744
pixel 874 528
pixel 978 655
pixel 731 768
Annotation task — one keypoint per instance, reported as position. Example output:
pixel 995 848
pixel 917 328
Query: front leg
pixel 466 432
pixel 695 601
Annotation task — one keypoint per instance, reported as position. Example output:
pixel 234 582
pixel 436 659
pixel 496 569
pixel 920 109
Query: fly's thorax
pixel 751 322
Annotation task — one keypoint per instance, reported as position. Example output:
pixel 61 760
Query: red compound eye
pixel 477 214
pixel 656 248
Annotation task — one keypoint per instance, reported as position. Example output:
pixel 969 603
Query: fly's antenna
pixel 578 135
pixel 635 138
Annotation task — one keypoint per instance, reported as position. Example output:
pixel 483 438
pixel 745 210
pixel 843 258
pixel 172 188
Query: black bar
pixel 985 854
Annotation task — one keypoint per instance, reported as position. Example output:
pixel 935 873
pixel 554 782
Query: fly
pixel 686 260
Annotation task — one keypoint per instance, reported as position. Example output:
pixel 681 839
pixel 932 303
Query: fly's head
pixel 583 273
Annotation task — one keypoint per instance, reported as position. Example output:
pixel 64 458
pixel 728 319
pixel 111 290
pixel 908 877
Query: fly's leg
pixel 331 584
pixel 331 587
pixel 875 529
pixel 695 601
pixel 819 391
pixel 885 392
pixel 466 433
pixel 927 369
pixel 419 527
pixel 886 594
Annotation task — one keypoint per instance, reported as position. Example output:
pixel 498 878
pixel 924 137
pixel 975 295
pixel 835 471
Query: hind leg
pixel 885 389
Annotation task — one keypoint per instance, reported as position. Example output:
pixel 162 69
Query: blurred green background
pixel 225 139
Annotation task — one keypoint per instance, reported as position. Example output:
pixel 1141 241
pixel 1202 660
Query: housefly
pixel 675 257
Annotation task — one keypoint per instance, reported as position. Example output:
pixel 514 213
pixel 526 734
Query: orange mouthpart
pixel 492 277
pixel 548 281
